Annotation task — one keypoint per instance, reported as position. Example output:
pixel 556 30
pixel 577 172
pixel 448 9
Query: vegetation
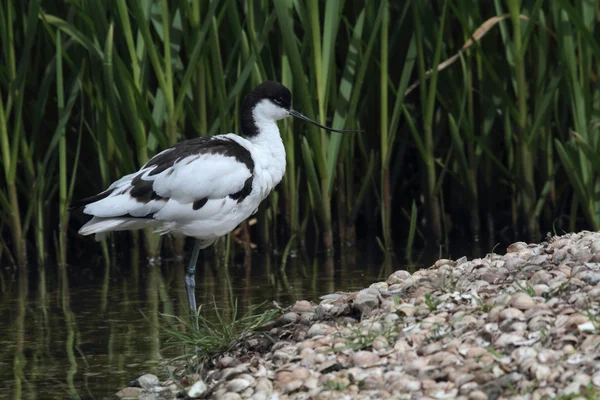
pixel 480 117
pixel 204 337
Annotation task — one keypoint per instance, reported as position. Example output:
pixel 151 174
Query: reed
pixel 480 118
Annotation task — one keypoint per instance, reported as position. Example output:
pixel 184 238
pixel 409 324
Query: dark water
pixel 86 332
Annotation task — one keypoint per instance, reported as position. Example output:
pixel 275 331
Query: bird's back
pixel 202 187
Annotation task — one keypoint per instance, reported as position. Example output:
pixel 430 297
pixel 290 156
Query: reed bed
pixel 480 118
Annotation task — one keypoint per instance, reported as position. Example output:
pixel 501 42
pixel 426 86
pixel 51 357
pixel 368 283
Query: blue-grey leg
pixel 190 280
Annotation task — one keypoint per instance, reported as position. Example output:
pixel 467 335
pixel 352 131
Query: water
pixel 86 332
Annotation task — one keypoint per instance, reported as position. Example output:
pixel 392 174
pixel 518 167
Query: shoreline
pixel 524 325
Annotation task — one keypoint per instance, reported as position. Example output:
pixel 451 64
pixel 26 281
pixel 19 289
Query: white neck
pixel 270 152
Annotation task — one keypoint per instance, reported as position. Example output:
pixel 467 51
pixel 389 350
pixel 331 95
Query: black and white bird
pixel 203 187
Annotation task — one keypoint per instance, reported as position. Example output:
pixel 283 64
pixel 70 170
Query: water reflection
pixel 86 331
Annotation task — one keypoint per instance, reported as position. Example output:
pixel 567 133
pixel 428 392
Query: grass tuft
pixel 206 336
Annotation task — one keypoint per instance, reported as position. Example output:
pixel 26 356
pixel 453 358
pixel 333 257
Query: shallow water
pixel 86 332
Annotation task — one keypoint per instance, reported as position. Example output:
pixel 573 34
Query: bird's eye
pixel 278 100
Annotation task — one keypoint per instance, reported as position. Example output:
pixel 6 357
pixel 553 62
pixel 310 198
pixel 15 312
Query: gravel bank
pixel 522 326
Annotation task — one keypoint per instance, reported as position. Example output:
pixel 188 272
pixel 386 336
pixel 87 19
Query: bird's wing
pixel 191 172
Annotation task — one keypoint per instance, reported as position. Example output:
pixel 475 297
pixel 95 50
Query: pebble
pixel 302 306
pixel 478 395
pixel 517 326
pixel 148 381
pixel 522 301
pixel 197 389
pixel 229 396
pixel 380 343
pixel 288 318
pixel 365 358
pixel 292 386
pixel 130 392
pixel 398 277
pixel 319 330
pixel 366 300
pixel 511 314
pixel 237 385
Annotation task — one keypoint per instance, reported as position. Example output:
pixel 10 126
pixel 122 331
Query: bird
pixel 202 187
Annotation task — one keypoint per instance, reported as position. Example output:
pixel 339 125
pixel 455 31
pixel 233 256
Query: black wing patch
pixel 242 194
pixel 84 202
pixel 198 204
pixel 143 191
pixel 199 146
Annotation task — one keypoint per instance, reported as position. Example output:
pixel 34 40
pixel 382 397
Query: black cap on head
pixel 274 91
pixel 280 96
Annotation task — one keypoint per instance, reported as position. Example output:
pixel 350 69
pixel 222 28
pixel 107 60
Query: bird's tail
pixel 101 226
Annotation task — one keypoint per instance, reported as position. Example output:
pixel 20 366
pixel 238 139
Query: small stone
pixel 540 277
pixel 511 313
pixel 494 314
pixel 540 289
pixel 507 339
pixel 230 396
pixel 514 264
pixel 319 330
pixel 311 383
pixel 589 277
pixel 302 306
pixel 280 357
pixel 445 394
pixel 573 321
pixel 401 346
pixel 259 396
pixel 227 362
pixel 197 389
pixel 516 247
pixel 130 392
pixel 366 301
pixel 407 309
pixel 148 381
pixel 263 385
pixel 548 356
pixel 284 377
pixel 441 262
pixel 237 385
pixel 230 372
pixel 522 353
pixel 478 395
pixel 300 373
pixel 292 386
pixel 412 385
pixel 461 379
pixel 307 318
pixel 522 301
pixel 473 352
pixel 380 343
pixel 492 278
pixel 288 318
pixel 398 277
pixel 365 358
pixel 596 379
pixel 431 348
pixel 381 286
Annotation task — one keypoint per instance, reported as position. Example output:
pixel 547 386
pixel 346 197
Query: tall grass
pixel 480 118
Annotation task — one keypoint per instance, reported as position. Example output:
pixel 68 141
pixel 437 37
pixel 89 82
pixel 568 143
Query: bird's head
pixel 272 101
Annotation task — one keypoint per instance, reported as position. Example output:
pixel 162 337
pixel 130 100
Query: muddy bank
pixel 524 325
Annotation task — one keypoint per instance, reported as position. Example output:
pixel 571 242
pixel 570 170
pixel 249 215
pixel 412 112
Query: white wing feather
pixel 211 176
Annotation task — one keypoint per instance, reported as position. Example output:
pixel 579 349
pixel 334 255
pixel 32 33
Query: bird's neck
pixel 268 138
pixel 271 152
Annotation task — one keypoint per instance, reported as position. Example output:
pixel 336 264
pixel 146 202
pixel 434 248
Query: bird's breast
pixel 269 169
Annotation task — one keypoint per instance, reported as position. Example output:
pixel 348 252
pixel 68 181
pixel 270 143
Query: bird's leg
pixel 190 280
